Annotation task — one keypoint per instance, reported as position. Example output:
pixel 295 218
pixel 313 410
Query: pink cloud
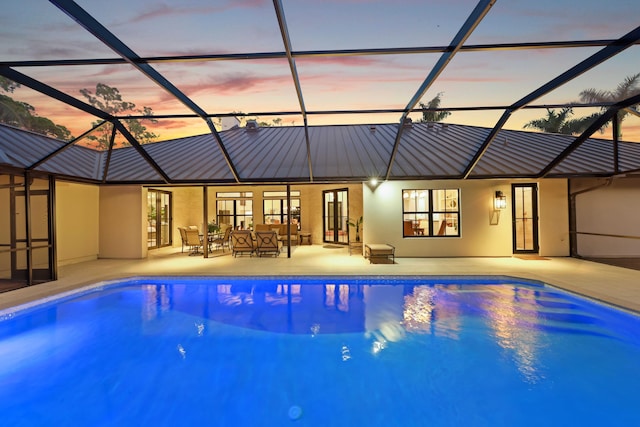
pixel 165 10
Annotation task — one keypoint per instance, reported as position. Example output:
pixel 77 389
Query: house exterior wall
pixel 77 222
pixel 123 222
pixel 117 216
pixel 553 210
pixel 608 208
pixel 479 235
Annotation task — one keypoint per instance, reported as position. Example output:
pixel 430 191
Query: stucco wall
pixel 480 236
pixel 123 222
pixel 553 210
pixel 610 208
pixel 77 222
pixel 187 209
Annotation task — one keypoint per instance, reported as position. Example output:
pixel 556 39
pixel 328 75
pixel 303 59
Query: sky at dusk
pixel 38 30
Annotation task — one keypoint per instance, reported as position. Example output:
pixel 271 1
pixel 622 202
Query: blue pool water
pixel 313 351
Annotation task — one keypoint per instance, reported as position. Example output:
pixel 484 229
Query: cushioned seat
pixel 267 242
pixel 242 242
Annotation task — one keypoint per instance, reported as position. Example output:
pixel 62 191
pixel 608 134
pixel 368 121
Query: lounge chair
pixel 267 243
pixel 242 242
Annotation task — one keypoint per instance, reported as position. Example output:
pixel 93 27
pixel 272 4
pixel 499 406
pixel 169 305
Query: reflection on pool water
pixel 319 351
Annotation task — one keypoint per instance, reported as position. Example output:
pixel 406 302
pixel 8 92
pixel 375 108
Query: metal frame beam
pixel 314 53
pixel 286 40
pixel 90 24
pixel 44 89
pixel 107 162
pixel 597 58
pixel 135 144
pixel 64 147
pixel 478 13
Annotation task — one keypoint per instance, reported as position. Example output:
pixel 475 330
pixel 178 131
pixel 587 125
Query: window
pixel 275 208
pixel 431 213
pixel 235 209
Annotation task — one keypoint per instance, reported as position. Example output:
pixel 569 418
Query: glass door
pixel 158 219
pixel 335 216
pixel 525 218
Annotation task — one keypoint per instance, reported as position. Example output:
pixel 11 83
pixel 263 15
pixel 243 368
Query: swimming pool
pixel 319 351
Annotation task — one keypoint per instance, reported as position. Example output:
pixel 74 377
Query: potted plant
pixel 357 224
pixel 212 227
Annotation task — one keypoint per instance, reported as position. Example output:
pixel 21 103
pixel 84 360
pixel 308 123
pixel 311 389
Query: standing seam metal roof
pixel 338 152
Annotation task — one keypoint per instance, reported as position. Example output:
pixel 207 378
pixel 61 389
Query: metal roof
pixel 338 153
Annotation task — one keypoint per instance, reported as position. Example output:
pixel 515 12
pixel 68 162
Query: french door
pixel 335 216
pixel 525 218
pixel 158 219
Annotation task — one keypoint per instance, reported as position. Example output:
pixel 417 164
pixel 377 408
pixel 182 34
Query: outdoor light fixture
pixel 373 183
pixel 500 200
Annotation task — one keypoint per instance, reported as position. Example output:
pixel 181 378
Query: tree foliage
pixel 560 122
pixel 629 87
pixel 24 116
pixel 428 113
pixel 109 100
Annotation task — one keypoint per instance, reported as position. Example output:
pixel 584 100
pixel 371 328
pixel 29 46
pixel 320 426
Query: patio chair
pixel 193 241
pixel 267 243
pixel 183 236
pixel 242 242
pixel 224 239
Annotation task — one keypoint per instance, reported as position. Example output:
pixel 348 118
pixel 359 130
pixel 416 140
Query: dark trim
pixel 534 218
pixel 53 237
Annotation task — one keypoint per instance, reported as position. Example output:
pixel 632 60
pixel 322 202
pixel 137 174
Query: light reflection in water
pixel 432 309
pixel 505 317
pixel 383 315
pixel 156 300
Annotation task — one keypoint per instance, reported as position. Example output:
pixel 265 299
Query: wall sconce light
pixel 500 200
pixel 373 183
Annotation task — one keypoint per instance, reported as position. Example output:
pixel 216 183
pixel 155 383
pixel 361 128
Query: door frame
pixel 336 226
pixel 533 217
pixel 23 195
pixel 158 236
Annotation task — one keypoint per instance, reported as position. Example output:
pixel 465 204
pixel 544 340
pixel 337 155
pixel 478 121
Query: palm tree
pixel 554 122
pixel 629 87
pixel 433 116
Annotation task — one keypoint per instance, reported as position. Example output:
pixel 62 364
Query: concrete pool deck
pixel 615 285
